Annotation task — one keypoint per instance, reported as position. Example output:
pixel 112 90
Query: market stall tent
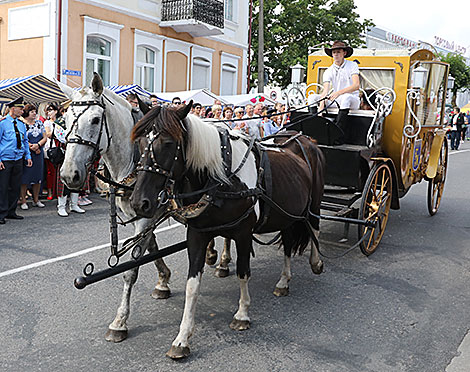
pixel 203 96
pixel 245 99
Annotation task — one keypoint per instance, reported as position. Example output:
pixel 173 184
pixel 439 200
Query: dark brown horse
pixel 235 188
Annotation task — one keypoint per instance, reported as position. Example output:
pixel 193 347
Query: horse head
pixel 88 134
pixel 161 135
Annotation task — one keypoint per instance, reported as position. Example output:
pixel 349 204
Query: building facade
pixel 162 45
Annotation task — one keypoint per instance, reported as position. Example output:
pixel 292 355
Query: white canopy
pixel 245 99
pixel 203 96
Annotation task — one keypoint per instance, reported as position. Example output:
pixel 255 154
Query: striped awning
pixel 34 89
pixel 124 90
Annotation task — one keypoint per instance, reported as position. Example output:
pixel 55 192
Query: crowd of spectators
pixel 26 172
pixel 255 120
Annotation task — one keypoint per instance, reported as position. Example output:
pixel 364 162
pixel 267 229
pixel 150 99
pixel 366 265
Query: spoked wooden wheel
pixel 375 207
pixel 436 184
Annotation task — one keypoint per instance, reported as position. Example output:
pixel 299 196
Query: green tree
pixel 459 71
pixel 292 26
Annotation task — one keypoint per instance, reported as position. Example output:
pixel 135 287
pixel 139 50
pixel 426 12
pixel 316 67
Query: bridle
pixel 103 124
pixel 166 193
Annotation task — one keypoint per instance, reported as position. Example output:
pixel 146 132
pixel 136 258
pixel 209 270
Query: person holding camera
pixel 14 151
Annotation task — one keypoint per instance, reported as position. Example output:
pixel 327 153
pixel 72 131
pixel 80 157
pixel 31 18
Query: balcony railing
pixel 198 17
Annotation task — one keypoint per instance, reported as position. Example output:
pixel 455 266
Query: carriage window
pixel 145 68
pixel 370 78
pixel 98 58
pixel 376 78
pixel 433 94
pixel 201 74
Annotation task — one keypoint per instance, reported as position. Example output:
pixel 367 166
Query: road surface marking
pixel 457 152
pixel 461 361
pixel 75 254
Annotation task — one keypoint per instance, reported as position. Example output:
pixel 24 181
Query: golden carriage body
pixel 399 141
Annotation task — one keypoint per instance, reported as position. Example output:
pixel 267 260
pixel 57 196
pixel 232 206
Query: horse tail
pixel 295 238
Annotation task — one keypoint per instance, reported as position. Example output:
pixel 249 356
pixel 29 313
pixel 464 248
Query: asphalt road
pixel 405 308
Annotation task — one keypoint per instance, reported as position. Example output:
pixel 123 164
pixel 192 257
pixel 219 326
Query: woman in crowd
pixel 33 175
pixel 55 131
pixel 217 112
pixel 51 177
pixel 228 116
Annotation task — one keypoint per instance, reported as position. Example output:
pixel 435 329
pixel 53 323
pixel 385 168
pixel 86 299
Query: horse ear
pixel 97 84
pixel 68 91
pixel 143 106
pixel 184 110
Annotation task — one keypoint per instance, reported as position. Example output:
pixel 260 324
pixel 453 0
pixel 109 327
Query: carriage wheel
pixel 436 184
pixel 375 207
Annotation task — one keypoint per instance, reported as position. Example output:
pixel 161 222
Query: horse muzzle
pixel 72 177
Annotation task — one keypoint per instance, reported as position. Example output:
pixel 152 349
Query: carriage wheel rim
pixel 376 207
pixel 436 185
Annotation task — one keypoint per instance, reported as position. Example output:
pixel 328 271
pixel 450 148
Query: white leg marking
pixel 244 304
pixel 285 275
pixel 119 322
pixel 187 323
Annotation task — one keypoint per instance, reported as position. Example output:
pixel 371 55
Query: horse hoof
pixel 158 294
pixel 222 272
pixel 281 292
pixel 178 352
pixel 239 325
pixel 318 268
pixel 211 260
pixel 115 336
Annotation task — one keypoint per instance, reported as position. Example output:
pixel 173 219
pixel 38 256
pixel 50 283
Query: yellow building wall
pixel 19 57
pixel 126 62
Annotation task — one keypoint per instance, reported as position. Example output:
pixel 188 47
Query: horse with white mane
pixel 100 121
pixel 277 187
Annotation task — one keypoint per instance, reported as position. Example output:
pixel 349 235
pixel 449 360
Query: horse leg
pixel 316 263
pixel 161 290
pixel 241 320
pixel 197 244
pixel 211 253
pixel 282 286
pixel 117 330
pixel 222 269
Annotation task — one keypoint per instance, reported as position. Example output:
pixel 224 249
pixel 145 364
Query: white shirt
pixel 340 77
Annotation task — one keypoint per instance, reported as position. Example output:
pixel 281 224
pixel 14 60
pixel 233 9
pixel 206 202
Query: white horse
pixel 99 119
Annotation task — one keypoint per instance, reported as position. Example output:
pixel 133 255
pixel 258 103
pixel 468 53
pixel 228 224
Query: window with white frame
pixel 229 13
pixel 229 80
pixel 101 41
pixel 201 74
pixel 98 58
pixel 145 68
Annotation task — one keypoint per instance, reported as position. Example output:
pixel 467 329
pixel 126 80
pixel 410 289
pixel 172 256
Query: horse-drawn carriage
pixel 224 184
pixel 396 140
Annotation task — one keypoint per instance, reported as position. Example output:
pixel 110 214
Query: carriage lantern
pixel 419 77
pixel 450 82
pixel 298 72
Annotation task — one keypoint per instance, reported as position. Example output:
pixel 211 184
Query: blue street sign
pixel 71 72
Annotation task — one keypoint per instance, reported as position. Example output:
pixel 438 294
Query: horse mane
pixel 165 120
pixel 203 141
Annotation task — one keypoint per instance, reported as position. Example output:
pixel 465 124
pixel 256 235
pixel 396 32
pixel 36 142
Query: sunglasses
pixel 177 103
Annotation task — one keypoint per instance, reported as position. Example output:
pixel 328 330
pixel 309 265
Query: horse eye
pixel 95 121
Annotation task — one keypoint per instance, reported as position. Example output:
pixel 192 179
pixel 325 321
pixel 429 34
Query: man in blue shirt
pixel 14 148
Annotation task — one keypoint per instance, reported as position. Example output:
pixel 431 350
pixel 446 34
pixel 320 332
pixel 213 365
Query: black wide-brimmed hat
pixel 17 102
pixel 339 45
